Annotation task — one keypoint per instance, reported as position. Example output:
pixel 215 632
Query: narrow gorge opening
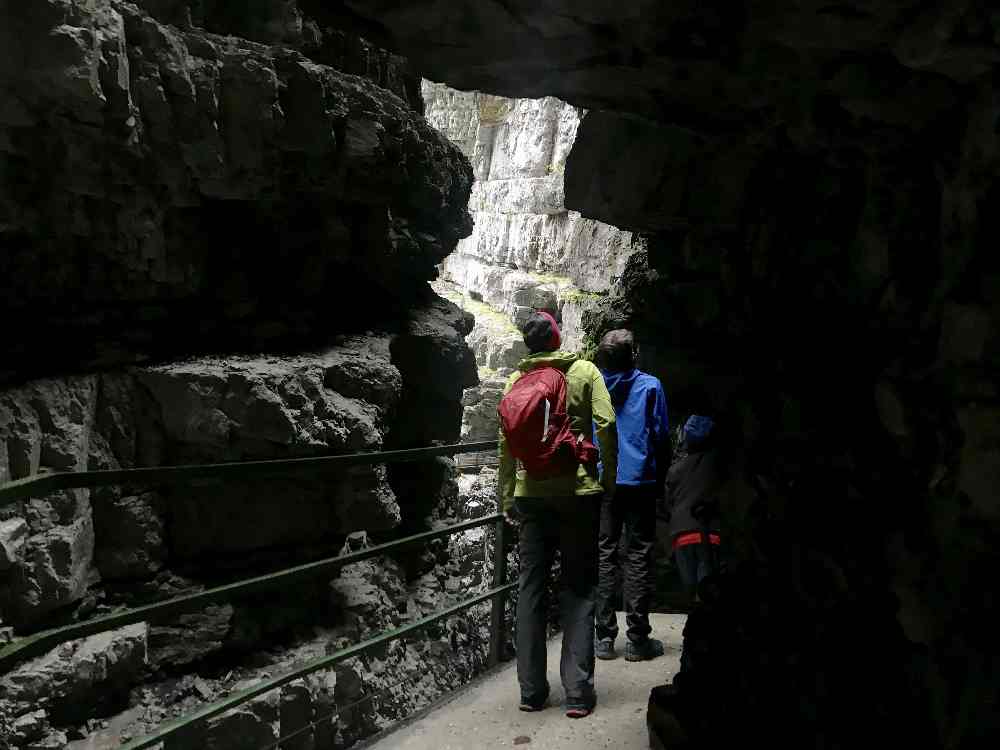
pixel 528 252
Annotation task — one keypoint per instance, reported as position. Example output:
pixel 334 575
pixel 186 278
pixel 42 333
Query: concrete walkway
pixel 485 714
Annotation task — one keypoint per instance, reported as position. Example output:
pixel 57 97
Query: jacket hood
pixel 699 432
pixel 559 359
pixel 619 385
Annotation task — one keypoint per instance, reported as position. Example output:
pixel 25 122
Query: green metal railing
pixel 43 641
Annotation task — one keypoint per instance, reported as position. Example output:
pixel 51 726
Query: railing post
pixel 500 600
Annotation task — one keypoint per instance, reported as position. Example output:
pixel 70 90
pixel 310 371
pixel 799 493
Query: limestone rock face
pixel 399 388
pixel 128 545
pixel 437 365
pixel 330 707
pixel 228 216
pixel 47 542
pixel 12 536
pixel 526 248
pixel 166 190
pixel 309 26
pixel 135 532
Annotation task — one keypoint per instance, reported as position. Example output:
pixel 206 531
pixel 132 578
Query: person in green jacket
pixel 561 512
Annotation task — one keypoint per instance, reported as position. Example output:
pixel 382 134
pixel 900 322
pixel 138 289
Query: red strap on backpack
pixel 537 428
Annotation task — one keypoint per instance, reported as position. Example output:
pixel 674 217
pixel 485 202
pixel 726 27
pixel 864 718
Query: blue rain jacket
pixel 643 428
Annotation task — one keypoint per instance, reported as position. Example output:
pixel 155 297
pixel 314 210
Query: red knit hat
pixel 555 340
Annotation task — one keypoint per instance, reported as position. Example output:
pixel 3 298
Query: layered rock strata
pixel 247 202
pixel 166 190
pixel 82 553
pixel 47 700
pixel 527 250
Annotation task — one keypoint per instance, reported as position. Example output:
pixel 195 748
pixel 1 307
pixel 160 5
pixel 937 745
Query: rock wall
pixel 82 553
pixel 835 301
pixel 217 225
pixel 166 190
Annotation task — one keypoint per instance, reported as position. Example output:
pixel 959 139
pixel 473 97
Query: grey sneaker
pixel 650 648
pixel 605 649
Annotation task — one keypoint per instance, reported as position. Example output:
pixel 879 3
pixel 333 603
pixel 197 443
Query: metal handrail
pixel 244 696
pixel 43 484
pixel 40 642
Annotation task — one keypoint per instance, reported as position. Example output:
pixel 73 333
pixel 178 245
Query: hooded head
pixel 698 430
pixel 541 332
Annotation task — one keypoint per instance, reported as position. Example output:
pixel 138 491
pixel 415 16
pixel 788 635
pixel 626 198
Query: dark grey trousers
pixel 632 510
pixel 568 524
pixel 695 562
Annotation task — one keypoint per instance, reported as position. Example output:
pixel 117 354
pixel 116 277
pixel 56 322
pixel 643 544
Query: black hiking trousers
pixel 569 525
pixel 632 510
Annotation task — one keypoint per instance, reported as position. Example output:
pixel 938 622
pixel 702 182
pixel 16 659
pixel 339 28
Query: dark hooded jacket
pixel 692 489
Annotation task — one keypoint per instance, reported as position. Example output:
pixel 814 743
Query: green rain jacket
pixel 587 402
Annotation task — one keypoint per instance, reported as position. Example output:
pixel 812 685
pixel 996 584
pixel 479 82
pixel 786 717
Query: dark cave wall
pixel 834 298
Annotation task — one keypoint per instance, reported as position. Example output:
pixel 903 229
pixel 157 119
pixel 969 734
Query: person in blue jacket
pixel 643 459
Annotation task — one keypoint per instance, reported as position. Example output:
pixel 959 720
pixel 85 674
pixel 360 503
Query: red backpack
pixel 534 420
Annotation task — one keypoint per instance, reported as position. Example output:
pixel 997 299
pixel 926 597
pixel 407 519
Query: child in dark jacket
pixel 692 502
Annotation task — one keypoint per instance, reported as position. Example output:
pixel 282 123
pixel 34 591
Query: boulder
pixel 436 366
pixel 130 535
pixel 53 572
pixel 46 542
pixel 13 534
pixel 255 724
pixel 189 637
pixel 29 727
pixel 335 401
pixel 47 425
pixel 79 678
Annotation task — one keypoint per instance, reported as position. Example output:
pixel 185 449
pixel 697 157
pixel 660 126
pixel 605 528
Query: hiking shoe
pixel 530 706
pixel 577 709
pixel 605 649
pixel 643 650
